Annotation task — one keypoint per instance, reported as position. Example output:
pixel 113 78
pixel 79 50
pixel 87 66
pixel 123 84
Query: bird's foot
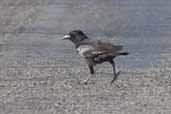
pixel 85 82
pixel 115 77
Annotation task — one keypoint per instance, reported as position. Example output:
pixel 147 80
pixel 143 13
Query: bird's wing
pixel 108 47
pixel 96 48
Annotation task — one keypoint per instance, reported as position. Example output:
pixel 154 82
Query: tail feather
pixel 123 53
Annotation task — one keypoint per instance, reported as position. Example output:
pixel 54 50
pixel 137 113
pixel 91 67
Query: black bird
pixel 95 51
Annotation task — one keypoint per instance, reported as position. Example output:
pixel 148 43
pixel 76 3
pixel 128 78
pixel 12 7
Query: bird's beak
pixel 66 37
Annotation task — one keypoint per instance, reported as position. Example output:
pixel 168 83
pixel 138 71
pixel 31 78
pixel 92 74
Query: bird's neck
pixel 78 41
pixel 77 44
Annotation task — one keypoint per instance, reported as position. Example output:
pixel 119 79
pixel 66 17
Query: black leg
pixel 114 71
pixel 91 72
pixel 91 69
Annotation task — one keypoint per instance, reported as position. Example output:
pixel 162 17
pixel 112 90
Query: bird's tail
pixel 123 53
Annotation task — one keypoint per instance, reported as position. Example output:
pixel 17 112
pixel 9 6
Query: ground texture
pixel 40 74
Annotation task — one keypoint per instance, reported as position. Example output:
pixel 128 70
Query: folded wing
pixel 98 48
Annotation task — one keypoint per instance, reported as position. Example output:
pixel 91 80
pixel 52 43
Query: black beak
pixel 66 37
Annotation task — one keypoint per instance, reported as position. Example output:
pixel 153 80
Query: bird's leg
pixel 91 72
pixel 85 81
pixel 114 72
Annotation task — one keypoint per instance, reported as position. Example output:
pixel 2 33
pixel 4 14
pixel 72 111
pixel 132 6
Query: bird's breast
pixel 83 49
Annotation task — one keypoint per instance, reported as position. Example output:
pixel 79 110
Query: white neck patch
pixel 84 48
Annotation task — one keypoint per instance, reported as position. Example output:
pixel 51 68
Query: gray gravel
pixel 41 74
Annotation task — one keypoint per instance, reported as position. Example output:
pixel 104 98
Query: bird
pixel 95 51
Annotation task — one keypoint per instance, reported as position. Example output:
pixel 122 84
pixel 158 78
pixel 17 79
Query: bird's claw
pixel 118 73
pixel 85 82
pixel 115 77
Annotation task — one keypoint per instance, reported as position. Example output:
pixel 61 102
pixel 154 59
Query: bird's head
pixel 76 36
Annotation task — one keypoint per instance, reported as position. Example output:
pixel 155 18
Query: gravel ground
pixel 55 88
pixel 40 74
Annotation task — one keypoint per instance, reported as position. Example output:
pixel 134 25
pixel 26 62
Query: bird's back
pixel 89 48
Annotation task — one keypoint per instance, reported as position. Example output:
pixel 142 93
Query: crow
pixel 95 51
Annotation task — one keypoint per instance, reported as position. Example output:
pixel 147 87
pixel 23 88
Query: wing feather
pixel 97 48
